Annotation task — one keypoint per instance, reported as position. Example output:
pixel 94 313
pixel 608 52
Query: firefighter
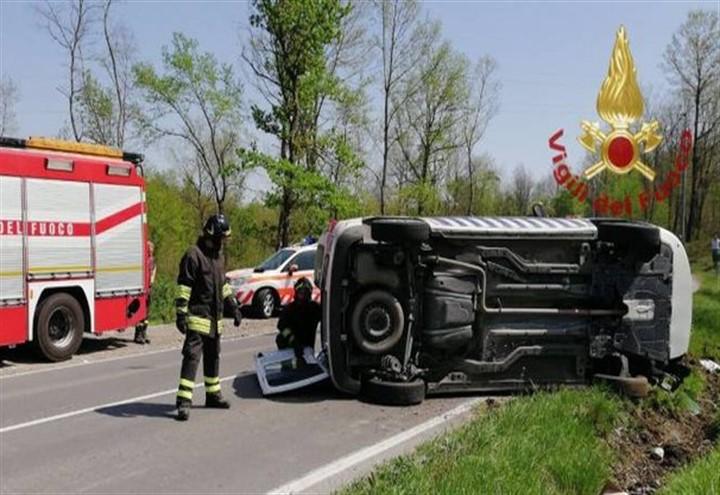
pixel 298 321
pixel 150 271
pixel 202 295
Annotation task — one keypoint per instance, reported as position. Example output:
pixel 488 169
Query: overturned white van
pixel 448 304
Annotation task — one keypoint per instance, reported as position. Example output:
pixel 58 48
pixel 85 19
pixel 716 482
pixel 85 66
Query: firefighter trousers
pixel 197 345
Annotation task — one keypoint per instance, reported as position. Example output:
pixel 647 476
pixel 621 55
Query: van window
pixel 276 260
pixel 304 261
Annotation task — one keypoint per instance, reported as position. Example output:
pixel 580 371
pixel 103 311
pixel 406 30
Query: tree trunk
pixel 471 182
pixel 386 148
pixel 692 217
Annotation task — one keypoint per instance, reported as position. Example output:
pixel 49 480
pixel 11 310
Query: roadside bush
pixel 162 307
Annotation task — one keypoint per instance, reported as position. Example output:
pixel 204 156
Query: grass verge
pixel 577 441
pixel 545 443
pixel 702 476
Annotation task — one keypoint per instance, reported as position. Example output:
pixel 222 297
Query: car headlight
pixel 236 283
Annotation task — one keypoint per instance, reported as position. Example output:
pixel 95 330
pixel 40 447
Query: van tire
pixel 59 327
pixel 264 303
pixel 387 393
pixel 399 230
pixel 377 322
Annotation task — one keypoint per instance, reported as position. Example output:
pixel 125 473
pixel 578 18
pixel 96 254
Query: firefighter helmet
pixel 217 226
pixel 304 285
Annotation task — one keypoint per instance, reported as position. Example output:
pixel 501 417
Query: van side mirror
pixel 293 268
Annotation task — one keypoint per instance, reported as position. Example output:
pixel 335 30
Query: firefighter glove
pixel 181 323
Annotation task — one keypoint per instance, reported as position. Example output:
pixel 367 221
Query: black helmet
pixel 304 284
pixel 217 226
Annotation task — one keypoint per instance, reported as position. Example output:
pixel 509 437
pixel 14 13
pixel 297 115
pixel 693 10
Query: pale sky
pixel 552 57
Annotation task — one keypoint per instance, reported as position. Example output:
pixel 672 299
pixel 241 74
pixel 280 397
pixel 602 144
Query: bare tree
pixel 427 128
pixel 483 103
pixel 9 97
pixel 521 190
pixel 198 101
pixel 118 65
pixel 69 25
pixel 399 45
pixel 692 61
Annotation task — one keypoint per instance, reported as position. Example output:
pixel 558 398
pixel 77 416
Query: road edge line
pixel 334 468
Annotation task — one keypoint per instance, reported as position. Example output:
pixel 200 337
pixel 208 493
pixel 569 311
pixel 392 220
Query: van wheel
pixel 264 303
pixel 377 322
pixel 393 393
pixel 59 328
pixel 399 230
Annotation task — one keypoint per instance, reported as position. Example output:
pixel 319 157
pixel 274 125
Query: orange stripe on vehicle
pixel 277 277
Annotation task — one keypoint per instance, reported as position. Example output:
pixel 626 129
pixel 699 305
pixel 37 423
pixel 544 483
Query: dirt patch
pixel 683 436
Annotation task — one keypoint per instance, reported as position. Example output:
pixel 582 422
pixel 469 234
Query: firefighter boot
pixel 144 334
pixel 139 335
pixel 216 401
pixel 183 410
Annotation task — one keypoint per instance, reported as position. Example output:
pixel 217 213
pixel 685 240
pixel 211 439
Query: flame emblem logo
pixel 620 104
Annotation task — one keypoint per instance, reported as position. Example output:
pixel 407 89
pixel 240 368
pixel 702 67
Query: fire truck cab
pixel 73 243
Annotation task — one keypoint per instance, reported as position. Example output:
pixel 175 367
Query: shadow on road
pixel 138 409
pixel 25 354
pixel 246 387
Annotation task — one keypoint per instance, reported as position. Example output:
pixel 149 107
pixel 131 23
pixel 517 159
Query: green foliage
pixel 162 307
pixel 198 101
pixel 290 47
pixel 564 204
pixel 705 339
pixel 681 401
pixel 191 78
pixel 702 476
pixel 529 445
pixel 298 34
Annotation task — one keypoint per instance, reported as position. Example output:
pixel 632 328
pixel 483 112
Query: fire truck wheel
pixel 264 303
pixel 59 327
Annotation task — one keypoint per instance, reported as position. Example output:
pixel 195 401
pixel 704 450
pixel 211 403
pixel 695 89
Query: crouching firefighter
pixel 202 296
pixel 298 321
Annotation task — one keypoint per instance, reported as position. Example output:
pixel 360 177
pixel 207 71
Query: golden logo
pixel 620 104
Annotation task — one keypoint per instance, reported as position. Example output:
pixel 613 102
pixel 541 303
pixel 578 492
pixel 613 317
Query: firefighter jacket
pixel 297 324
pixel 202 289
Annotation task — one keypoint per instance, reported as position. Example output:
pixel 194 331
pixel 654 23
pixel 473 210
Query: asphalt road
pixel 106 426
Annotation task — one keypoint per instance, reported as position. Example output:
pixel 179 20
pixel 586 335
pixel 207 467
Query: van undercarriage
pixel 410 307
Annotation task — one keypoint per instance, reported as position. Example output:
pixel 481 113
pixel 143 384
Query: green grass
pixel 701 477
pixel 548 443
pixel 555 443
pixel 705 341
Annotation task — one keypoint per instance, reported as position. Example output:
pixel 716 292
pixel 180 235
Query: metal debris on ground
pixel 710 365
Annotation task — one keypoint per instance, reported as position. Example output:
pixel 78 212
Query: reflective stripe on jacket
pixel 202 289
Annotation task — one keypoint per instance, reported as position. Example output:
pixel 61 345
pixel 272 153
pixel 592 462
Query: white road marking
pixel 70 414
pixel 334 468
pixel 85 362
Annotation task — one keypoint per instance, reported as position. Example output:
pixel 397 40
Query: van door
pixel 278 371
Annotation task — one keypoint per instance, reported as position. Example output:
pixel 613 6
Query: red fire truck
pixel 73 243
